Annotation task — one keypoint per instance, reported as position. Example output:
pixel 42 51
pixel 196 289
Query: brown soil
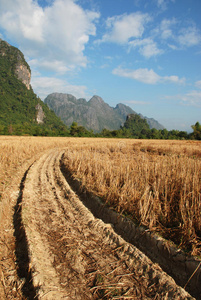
pixel 64 252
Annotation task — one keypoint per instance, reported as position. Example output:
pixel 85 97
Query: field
pixel 156 183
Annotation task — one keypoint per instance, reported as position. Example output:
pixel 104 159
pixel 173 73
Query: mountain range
pixel 22 112
pixel 94 114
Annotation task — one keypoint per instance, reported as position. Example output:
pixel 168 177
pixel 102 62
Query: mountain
pixel 94 114
pixel 19 106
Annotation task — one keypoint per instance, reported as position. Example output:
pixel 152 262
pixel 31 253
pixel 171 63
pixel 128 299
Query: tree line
pixel 131 129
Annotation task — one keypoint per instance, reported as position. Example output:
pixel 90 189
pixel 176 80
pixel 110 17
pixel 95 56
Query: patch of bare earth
pixel 70 254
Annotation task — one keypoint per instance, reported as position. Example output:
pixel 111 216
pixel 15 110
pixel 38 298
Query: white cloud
pixel 147 76
pixel 57 32
pixel 198 84
pixel 189 36
pixel 53 65
pixel 43 86
pixel 131 30
pixel 147 47
pixel 191 98
pixel 163 3
pixel 173 47
pixel 22 19
pixel 166 28
pixel 177 34
pixel 124 27
pixel 142 75
pixel 128 29
pixel 68 29
pixel 173 79
pixel 104 66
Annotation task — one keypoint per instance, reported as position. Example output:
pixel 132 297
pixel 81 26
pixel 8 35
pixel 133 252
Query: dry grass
pixel 156 183
pixel 15 152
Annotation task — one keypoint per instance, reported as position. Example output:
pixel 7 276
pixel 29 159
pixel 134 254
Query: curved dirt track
pixel 73 255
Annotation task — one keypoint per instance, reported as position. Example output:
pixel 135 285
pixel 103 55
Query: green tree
pixel 155 134
pixel 80 131
pixel 164 133
pixel 106 133
pixel 135 124
pixel 73 129
pixel 196 131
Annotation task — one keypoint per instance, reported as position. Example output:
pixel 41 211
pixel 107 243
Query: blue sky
pixel 143 53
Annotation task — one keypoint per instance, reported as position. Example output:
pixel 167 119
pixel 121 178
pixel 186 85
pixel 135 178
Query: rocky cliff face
pixel 94 114
pixel 19 105
pixel 23 74
pixel 40 114
pixel 18 65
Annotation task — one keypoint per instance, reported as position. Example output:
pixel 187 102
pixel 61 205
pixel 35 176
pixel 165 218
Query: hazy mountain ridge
pixel 94 114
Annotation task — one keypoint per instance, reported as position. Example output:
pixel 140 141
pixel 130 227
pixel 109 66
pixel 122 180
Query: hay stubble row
pixel 108 168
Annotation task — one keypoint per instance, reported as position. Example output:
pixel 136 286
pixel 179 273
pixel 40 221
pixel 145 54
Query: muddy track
pixel 73 255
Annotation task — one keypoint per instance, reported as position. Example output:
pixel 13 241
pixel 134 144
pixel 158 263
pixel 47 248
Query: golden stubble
pixel 156 183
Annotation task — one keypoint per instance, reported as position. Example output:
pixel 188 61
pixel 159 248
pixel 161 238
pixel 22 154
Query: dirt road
pixel 64 252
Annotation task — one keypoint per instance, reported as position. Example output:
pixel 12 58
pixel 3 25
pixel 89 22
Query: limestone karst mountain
pixel 20 108
pixel 22 112
pixel 94 114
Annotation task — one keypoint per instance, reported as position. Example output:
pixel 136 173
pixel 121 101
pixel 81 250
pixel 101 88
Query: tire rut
pixel 21 252
pixel 72 254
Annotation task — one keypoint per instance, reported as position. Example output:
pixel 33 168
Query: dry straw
pixel 157 183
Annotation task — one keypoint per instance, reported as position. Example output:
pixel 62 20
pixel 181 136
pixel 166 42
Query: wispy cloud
pixel 59 31
pixel 104 66
pixel 163 3
pixel 167 28
pixel 122 28
pixel 142 75
pixel 147 76
pixel 131 30
pixel 191 98
pixel 44 86
pixel 147 47
pixel 50 65
pixel 189 36
pixel 198 84
pixel 176 34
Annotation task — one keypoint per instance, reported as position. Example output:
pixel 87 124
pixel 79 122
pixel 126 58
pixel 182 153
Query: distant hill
pixel 19 106
pixel 94 114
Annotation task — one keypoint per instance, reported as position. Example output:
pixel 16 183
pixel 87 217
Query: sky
pixel 143 53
